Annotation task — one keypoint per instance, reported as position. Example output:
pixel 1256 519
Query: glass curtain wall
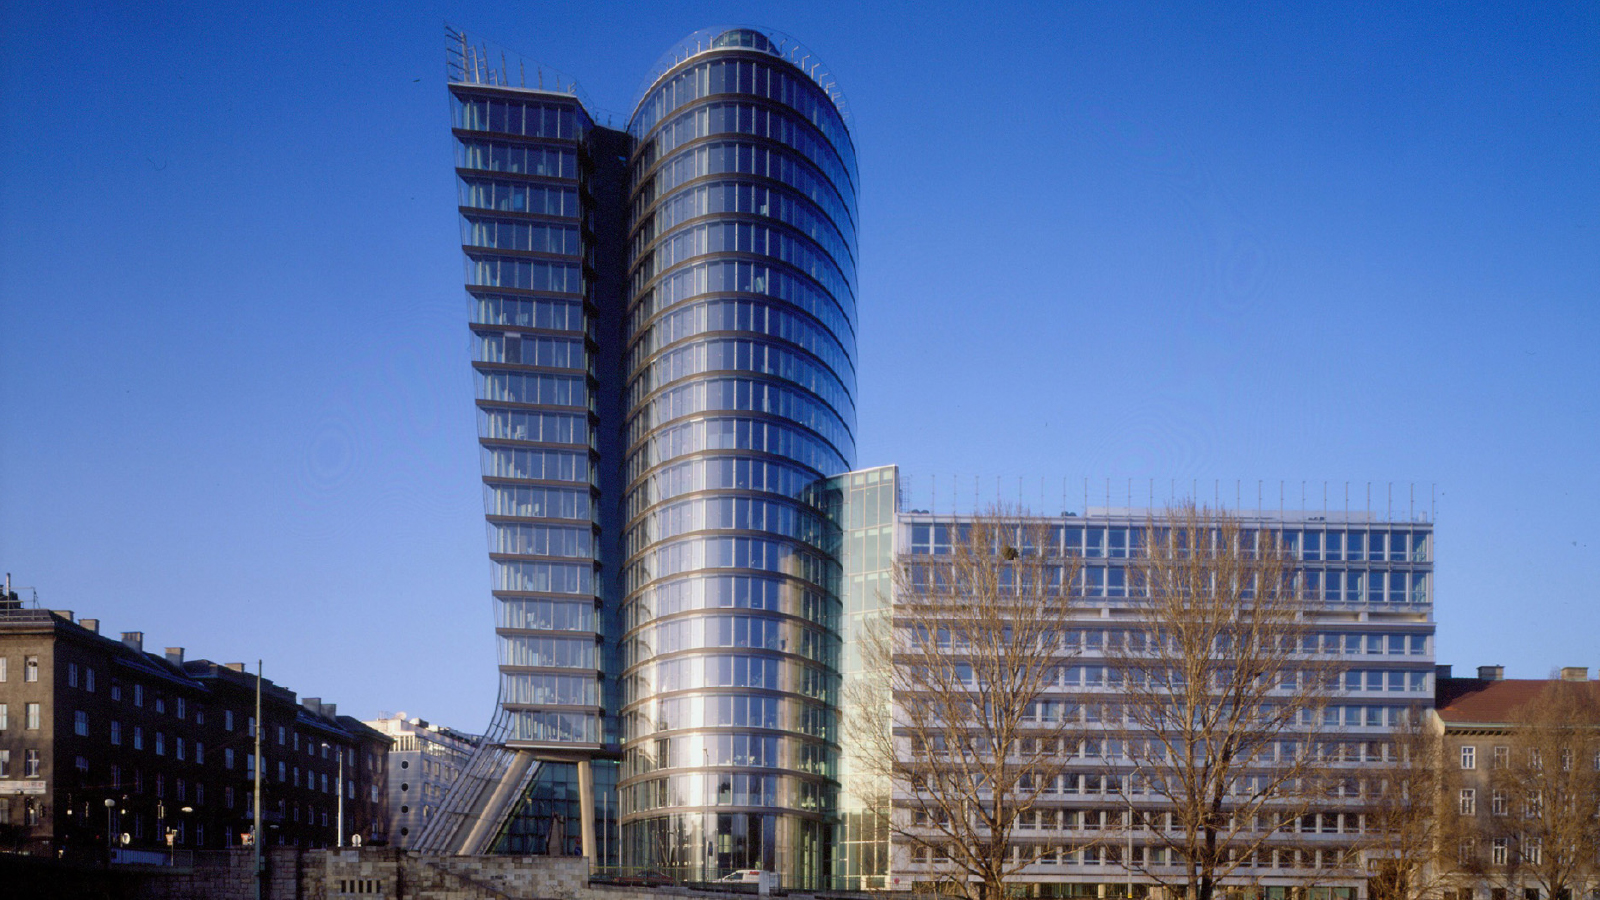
pixel 741 378
pixel 522 170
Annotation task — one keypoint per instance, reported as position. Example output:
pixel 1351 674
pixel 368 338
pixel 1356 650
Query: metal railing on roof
pixel 490 64
pixel 1312 503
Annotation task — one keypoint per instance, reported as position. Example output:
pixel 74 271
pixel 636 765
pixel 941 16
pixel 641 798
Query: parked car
pixel 742 876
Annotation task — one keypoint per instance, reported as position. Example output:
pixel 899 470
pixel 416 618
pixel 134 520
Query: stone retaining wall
pixel 380 873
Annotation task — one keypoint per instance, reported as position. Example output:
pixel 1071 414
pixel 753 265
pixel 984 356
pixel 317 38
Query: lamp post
pixel 255 822
pixel 172 835
pixel 339 807
pixel 111 808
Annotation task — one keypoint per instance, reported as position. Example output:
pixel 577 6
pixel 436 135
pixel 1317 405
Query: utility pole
pixel 340 808
pixel 255 839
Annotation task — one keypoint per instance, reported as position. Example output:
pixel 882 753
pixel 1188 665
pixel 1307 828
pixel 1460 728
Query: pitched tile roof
pixel 1469 701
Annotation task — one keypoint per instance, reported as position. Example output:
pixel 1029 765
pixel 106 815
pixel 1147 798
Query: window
pixel 72 674
pixel 5 767
pixel 281 739
pixel 138 737
pixel 30 764
pixel 178 747
pixel 1469 802
pixel 199 752
pixel 5 716
pixel 161 704
pixel 1498 803
pixel 80 723
pixel 88 679
pixel 138 695
pixel 227 719
pixel 1498 853
pixel 30 669
pixel 116 691
pixel 182 707
pixel 3 668
pixel 1467 852
pixel 1502 757
pixel 1469 757
pixel 227 760
pixel 31 711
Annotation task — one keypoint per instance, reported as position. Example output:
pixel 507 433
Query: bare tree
pixel 1547 789
pixel 1224 697
pixel 1419 828
pixel 961 711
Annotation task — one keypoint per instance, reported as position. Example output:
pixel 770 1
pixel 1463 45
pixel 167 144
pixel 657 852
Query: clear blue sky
pixel 1215 241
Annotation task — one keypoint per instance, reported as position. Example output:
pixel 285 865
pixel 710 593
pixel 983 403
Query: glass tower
pixel 741 376
pixel 663 332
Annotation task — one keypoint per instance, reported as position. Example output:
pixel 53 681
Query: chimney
pixel 91 624
pixel 1574 673
pixel 1441 672
pixel 63 613
pixel 237 667
pixel 312 704
pixel 175 655
pixel 331 710
pixel 1491 673
pixel 134 639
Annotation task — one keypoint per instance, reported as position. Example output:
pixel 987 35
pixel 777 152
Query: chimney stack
pixel 1441 671
pixel 1575 673
pixel 134 639
pixel 237 667
pixel 1491 673
pixel 91 624
pixel 175 655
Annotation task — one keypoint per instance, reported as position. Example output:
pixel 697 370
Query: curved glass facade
pixel 739 398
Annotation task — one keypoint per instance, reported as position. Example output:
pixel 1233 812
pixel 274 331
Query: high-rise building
pixel 663 324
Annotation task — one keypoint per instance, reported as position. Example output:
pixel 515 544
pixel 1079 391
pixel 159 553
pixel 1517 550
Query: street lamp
pixel 111 808
pixel 172 835
pixel 339 821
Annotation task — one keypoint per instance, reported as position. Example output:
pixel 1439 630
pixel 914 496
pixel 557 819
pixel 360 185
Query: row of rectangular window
pixel 1108 542
pixel 525 117
pixel 1096 640
pixel 1502 758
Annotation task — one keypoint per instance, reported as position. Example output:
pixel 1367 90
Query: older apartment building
pixel 101 739
pixel 1522 760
